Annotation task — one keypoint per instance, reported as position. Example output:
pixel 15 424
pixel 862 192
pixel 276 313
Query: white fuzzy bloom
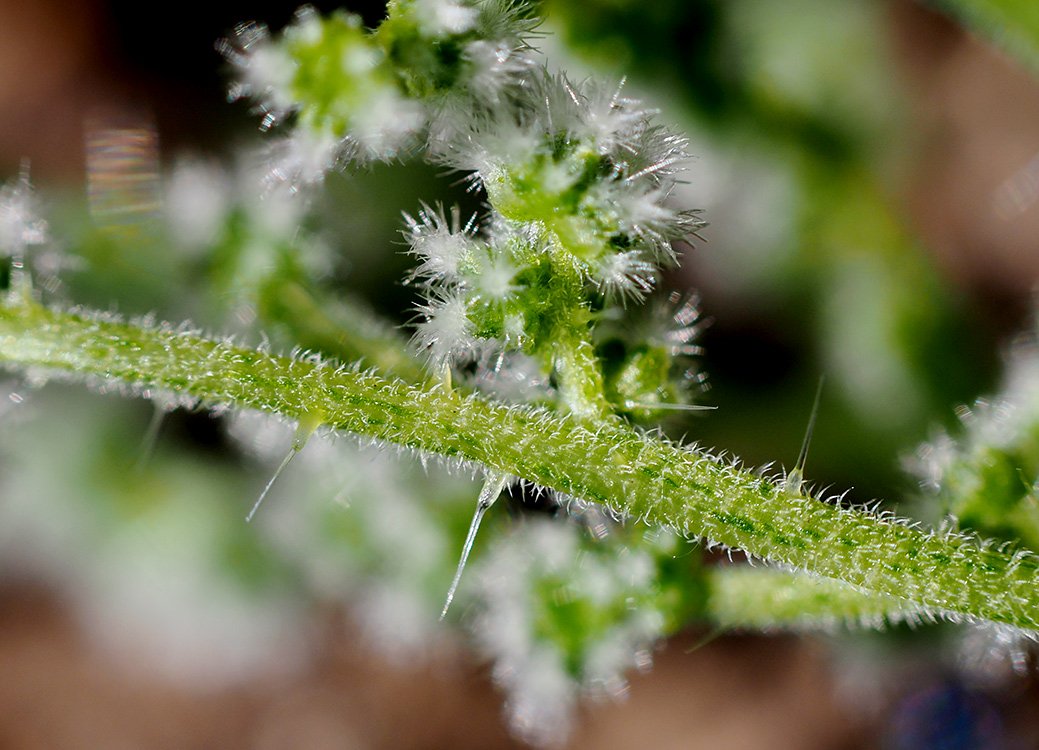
pixel 306 26
pixel 20 224
pixel 604 117
pixel 267 76
pixel 386 123
pixel 534 671
pixel 440 18
pixel 625 275
pixel 541 698
pixel 487 149
pixel 491 66
pixel 441 244
pixel 446 334
pixel 263 71
pixel 395 621
pixel 196 200
pixel 302 157
pixel 644 209
pixel 493 278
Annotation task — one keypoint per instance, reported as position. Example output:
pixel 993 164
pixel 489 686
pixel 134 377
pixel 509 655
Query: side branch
pixel 609 463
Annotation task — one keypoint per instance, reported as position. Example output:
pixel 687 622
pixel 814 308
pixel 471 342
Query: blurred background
pixel 870 175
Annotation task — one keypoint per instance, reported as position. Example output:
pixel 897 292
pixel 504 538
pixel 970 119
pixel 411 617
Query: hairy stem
pixel 580 379
pixel 606 462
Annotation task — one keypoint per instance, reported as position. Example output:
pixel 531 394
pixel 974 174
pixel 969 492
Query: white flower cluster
pixel 577 179
pixel 977 467
pixel 33 260
pixel 560 611
pixel 590 168
pixel 20 224
pixel 561 617
pixel 142 556
pixel 351 94
pixel 475 304
pixel 383 544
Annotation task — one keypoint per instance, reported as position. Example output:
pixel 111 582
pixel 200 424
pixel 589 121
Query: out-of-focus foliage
pixel 1011 24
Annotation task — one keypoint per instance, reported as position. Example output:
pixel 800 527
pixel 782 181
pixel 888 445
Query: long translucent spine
pixel 794 479
pixel 304 430
pixel 493 484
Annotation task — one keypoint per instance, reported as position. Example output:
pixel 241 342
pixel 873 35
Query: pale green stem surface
pixel 609 462
pixel 580 378
pixel 762 598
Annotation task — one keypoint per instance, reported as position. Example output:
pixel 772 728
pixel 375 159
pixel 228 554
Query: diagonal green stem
pixel 608 462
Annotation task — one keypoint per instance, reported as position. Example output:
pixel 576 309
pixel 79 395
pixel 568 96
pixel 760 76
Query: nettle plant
pixel 541 359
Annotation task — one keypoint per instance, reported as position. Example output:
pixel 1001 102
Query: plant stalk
pixel 607 462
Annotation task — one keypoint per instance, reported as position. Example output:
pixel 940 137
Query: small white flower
pixel 441 244
pixel 625 275
pixel 446 334
pixel 306 26
pixel 301 158
pixel 541 698
pixel 492 66
pixel 440 18
pixel 20 224
pixel 263 71
pixel 493 278
pixel 196 200
pixel 604 117
pixel 385 123
pixel 357 60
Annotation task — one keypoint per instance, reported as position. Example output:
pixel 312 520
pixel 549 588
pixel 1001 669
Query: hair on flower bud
pixel 625 276
pixel 442 244
pixel 601 115
pixel 20 224
pixel 493 277
pixel 440 18
pixel 446 333
pixel 263 71
pixel 329 75
pixel 492 66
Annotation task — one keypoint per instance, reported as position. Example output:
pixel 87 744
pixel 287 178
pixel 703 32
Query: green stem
pixel 577 369
pixel 761 598
pixel 609 462
pixel 580 378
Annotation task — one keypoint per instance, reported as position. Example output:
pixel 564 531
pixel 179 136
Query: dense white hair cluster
pixel 344 93
pixel 21 226
pixel 541 575
pixel 984 477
